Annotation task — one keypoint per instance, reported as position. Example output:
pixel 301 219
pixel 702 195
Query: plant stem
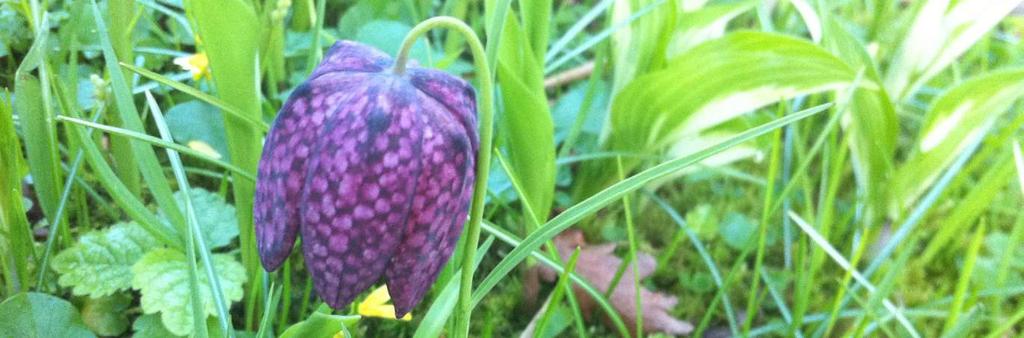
pixel 485 106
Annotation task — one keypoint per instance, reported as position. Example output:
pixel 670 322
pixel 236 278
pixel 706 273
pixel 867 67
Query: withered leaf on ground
pixel 598 264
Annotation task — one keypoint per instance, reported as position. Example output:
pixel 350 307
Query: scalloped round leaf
pixel 150 326
pixel 162 278
pixel 37 315
pixel 106 315
pixel 217 219
pixel 100 264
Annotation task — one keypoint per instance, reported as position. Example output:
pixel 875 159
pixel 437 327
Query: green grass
pixel 801 168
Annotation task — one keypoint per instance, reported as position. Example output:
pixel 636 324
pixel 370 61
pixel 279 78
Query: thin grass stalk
pixel 195 235
pixel 845 264
pixel 120 15
pixel 774 166
pixel 556 295
pixel 242 173
pixel 17 239
pixel 51 237
pixel 198 309
pixel 149 166
pixel 631 235
pixel 967 272
pixel 919 211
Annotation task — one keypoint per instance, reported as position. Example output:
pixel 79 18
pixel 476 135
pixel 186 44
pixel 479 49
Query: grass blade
pixel 195 239
pixel 213 100
pixel 845 264
pixel 248 175
pixel 591 205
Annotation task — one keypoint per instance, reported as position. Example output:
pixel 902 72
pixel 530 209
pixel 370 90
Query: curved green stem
pixel 485 106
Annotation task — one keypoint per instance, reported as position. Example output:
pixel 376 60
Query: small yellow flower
pixel 375 305
pixel 197 64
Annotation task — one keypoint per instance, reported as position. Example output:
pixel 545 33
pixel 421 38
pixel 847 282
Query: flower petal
pixel 349 56
pixel 282 168
pixel 359 188
pixel 439 207
pixel 457 96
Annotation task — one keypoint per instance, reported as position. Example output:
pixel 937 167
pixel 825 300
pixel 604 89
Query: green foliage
pixel 893 185
pixel 320 324
pixel 15 238
pixel 873 127
pixel 100 264
pixel 670 109
pixel 37 315
pixel 162 278
pixel 941 32
pixel 107 316
pixel 962 113
pixel 33 98
pixel 198 121
pixel 216 217
pixel 150 326
pixel 703 24
pixel 525 122
pixel 231 43
pixel 125 255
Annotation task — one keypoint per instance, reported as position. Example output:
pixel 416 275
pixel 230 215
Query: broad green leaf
pixel 100 264
pixel 958 116
pixel 216 217
pixel 16 242
pixel 150 326
pixel 162 278
pixel 196 121
pixel 35 111
pixel 871 122
pixel 230 35
pixel 536 25
pixel 811 19
pixel 38 315
pixel 941 32
pixel 568 106
pixel 704 24
pixel 711 84
pixel 320 325
pixel 107 316
pixel 640 47
pixel 527 129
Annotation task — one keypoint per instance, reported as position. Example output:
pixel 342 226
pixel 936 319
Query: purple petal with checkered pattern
pixel 375 170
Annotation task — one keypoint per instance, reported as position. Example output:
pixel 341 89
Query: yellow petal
pixel 204 148
pixel 375 305
pixel 197 64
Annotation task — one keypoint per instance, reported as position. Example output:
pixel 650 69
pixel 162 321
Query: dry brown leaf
pixel 598 264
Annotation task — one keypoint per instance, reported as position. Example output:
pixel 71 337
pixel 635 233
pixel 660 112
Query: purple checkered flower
pixel 375 169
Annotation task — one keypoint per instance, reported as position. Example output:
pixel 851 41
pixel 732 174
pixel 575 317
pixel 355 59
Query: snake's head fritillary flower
pixel 376 170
